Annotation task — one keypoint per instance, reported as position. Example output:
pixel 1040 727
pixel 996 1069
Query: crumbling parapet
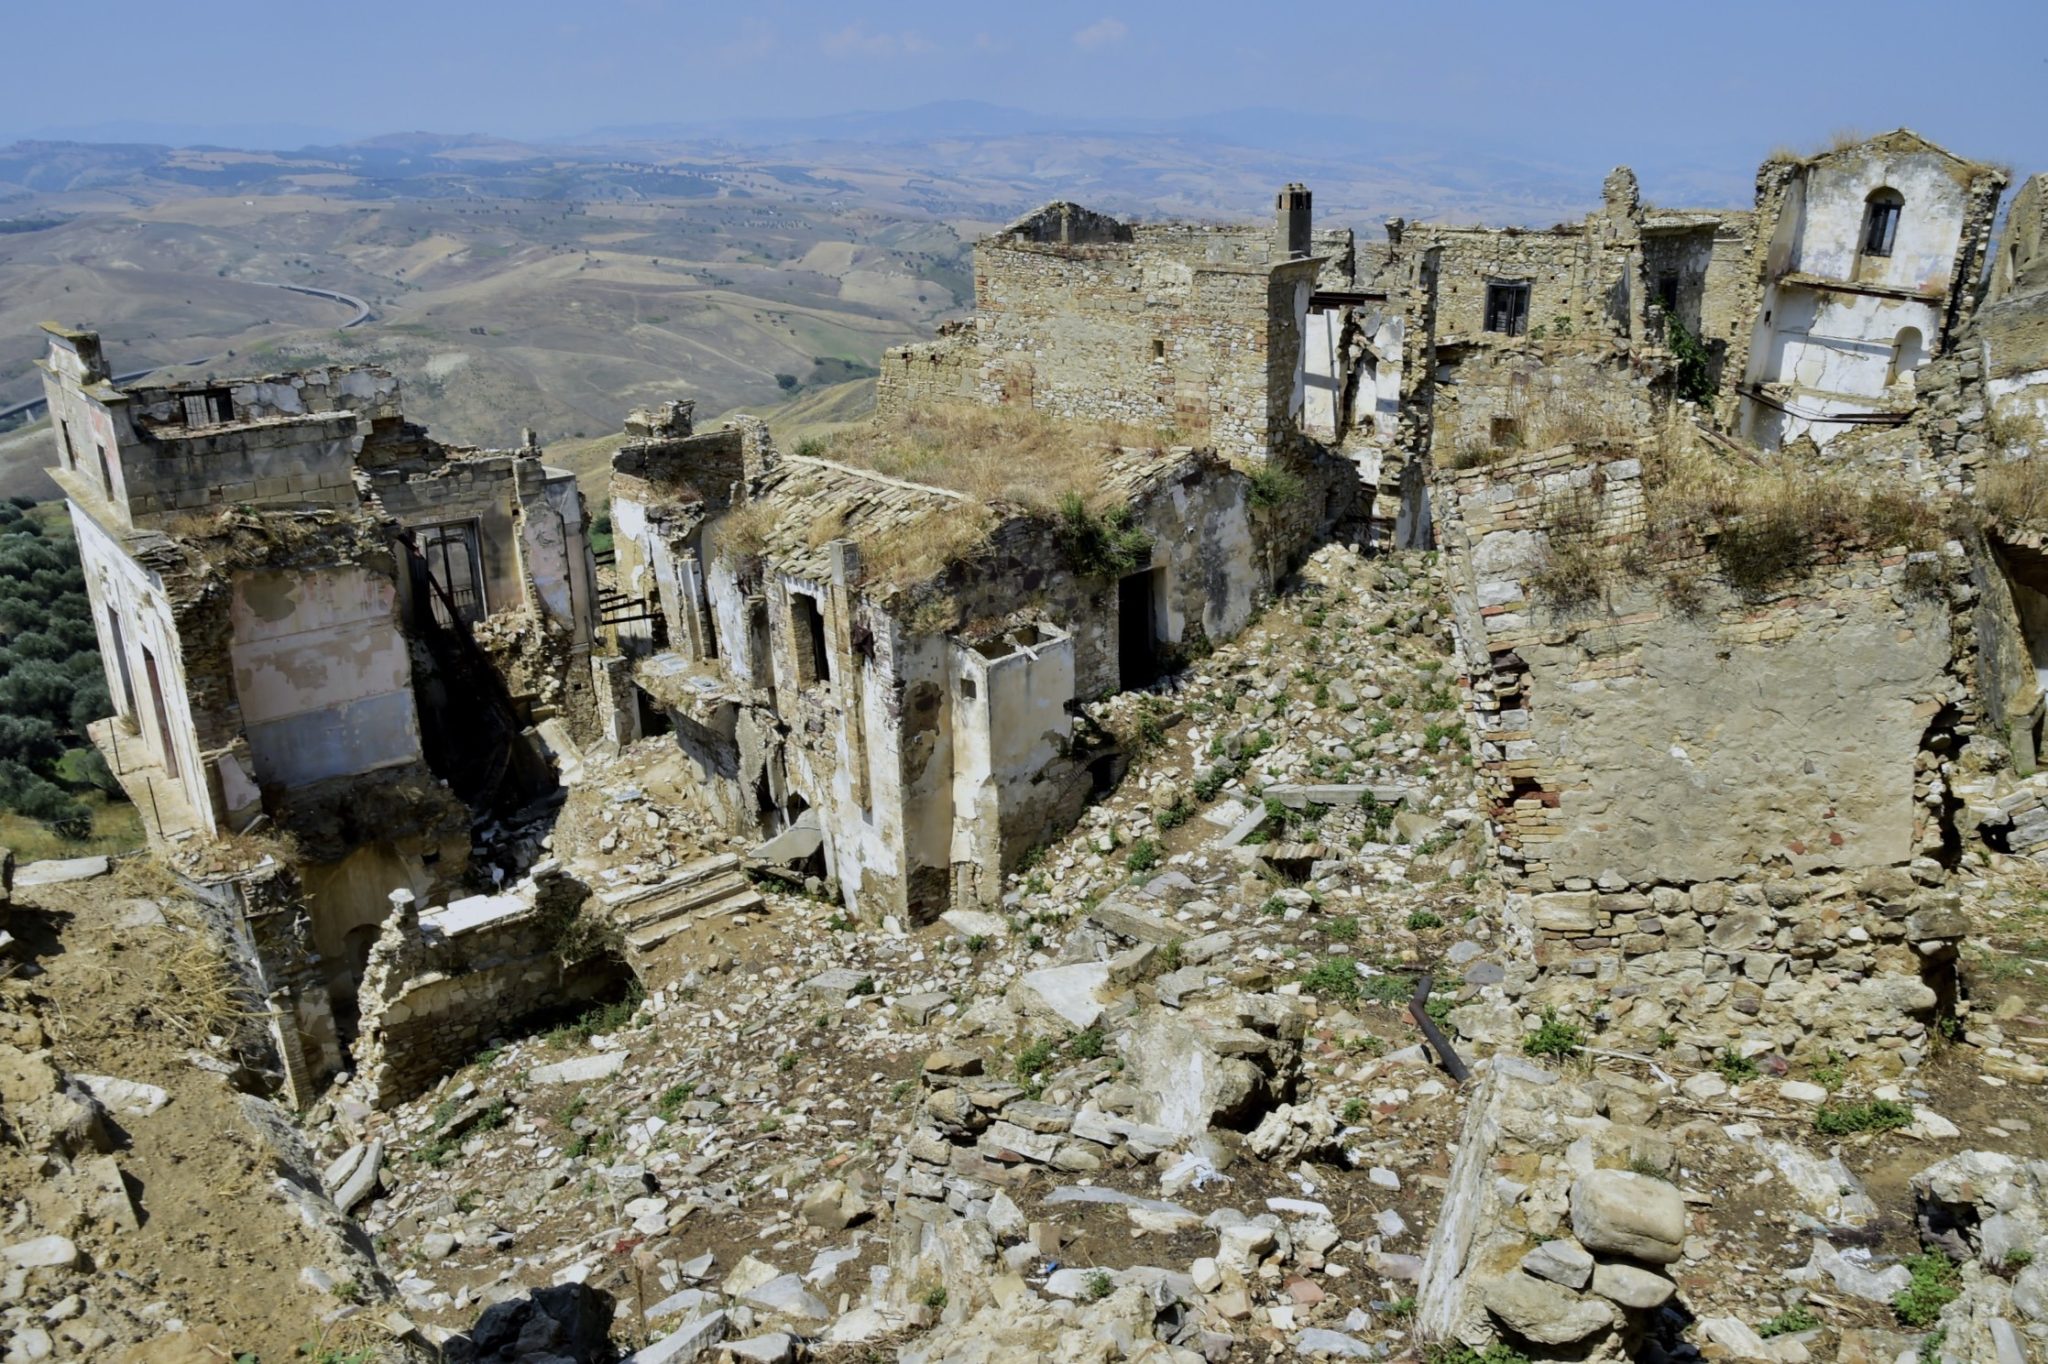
pixel 442 983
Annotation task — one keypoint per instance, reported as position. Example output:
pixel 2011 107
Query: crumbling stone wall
pixel 1726 814
pixel 442 984
pixel 1192 329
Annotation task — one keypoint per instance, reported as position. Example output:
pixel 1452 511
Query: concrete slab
pixel 60 870
pixel 580 1069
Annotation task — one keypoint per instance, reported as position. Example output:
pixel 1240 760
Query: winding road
pixel 34 405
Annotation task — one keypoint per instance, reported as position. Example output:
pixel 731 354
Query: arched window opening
pixel 1908 350
pixel 1881 221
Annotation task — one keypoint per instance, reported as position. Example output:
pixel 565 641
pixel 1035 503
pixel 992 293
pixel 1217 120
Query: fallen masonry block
pixel 685 1343
pixel 57 871
pixel 841 983
pixel 129 1098
pixel 1071 994
pixel 1300 797
pixel 1126 922
pixel 580 1069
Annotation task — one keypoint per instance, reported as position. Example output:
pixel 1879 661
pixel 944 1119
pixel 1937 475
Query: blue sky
pixel 1576 80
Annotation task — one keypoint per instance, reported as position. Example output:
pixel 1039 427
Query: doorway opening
pixel 1139 657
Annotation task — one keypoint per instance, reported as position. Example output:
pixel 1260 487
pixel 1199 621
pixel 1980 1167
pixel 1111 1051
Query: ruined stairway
pixel 649 916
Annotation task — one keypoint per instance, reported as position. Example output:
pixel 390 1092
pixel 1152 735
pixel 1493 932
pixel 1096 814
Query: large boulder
pixel 1619 1212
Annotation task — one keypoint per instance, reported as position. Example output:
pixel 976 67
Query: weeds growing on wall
pixel 1693 380
pixel 1272 486
pixel 1102 544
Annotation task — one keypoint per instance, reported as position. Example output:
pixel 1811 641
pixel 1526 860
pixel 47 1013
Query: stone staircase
pixel 649 915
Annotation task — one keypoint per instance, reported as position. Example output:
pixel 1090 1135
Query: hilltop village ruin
pixel 1738 530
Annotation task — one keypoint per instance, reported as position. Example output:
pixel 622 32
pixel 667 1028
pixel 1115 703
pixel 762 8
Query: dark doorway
pixel 1137 619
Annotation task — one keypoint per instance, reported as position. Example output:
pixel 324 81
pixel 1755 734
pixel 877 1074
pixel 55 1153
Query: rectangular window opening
pixel 1507 308
pixel 70 451
pixel 1883 227
pixel 106 469
pixel 813 653
pixel 209 408
pixel 456 568
pixel 1505 433
pixel 1158 349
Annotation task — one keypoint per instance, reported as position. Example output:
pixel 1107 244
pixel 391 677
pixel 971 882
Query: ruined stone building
pixel 1192 329
pixel 288 581
pixel 908 729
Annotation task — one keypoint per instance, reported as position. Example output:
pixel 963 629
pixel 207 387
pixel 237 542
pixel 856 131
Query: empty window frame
pixel 1881 221
pixel 807 633
pixel 70 450
pixel 456 567
pixel 209 408
pixel 106 469
pixel 1507 307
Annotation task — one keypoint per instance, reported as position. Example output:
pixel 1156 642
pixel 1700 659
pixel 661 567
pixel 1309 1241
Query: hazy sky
pixel 1649 82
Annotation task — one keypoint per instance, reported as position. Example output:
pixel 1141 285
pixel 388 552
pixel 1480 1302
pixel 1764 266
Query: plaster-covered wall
pixel 322 673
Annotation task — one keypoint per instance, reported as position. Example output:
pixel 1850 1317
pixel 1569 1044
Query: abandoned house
pixel 1194 329
pixel 907 725
pixel 289 582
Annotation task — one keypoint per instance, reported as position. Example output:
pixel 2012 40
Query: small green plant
pixel 1274 905
pixel 786 1062
pixel 1175 815
pixel 864 986
pixel 1665 1039
pixel 1734 1067
pixel 1422 919
pixel 1272 486
pixel 770 1124
pixel 1877 1115
pixel 1087 1045
pixel 1798 1317
pixel 1930 1348
pixel 900 1090
pixel 1401 1309
pixel 1554 1037
pixel 486 1057
pixel 2018 1258
pixel 1496 1353
pixel 839 923
pixel 1170 956
pixel 1332 978
pixel 1144 856
pixel 1642 1165
pixel 1343 928
pixel 1935 1284
pixel 1100 1285
pixel 465 1202
pixel 1209 783
pixel 605 1018
pixel 671 1101
pixel 935 1297
pixel 1353 1111
pixel 977 943
pixel 1033 1058
pixel 1832 1072
pixel 1102 544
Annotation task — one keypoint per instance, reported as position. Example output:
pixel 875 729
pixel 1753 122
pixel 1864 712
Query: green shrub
pixel 1798 1317
pixel 1554 1037
pixel 1935 1284
pixel 1035 1057
pixel 1422 919
pixel 1735 1067
pixel 1272 486
pixel 1144 856
pixel 1100 544
pixel 1332 978
pixel 1877 1115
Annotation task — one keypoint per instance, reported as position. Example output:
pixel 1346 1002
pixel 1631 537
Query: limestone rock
pixel 1548 1313
pixel 1623 1213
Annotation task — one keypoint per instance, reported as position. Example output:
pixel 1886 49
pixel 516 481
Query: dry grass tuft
pixel 743 531
pixel 934 543
pixel 1771 518
pixel 2014 493
pixel 992 454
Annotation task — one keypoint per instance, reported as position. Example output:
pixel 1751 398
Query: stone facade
pixel 1677 852
pixel 1194 330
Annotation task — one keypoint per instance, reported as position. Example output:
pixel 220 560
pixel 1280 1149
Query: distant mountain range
pixel 998 158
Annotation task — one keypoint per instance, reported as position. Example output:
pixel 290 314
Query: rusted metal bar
pixel 1446 1056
